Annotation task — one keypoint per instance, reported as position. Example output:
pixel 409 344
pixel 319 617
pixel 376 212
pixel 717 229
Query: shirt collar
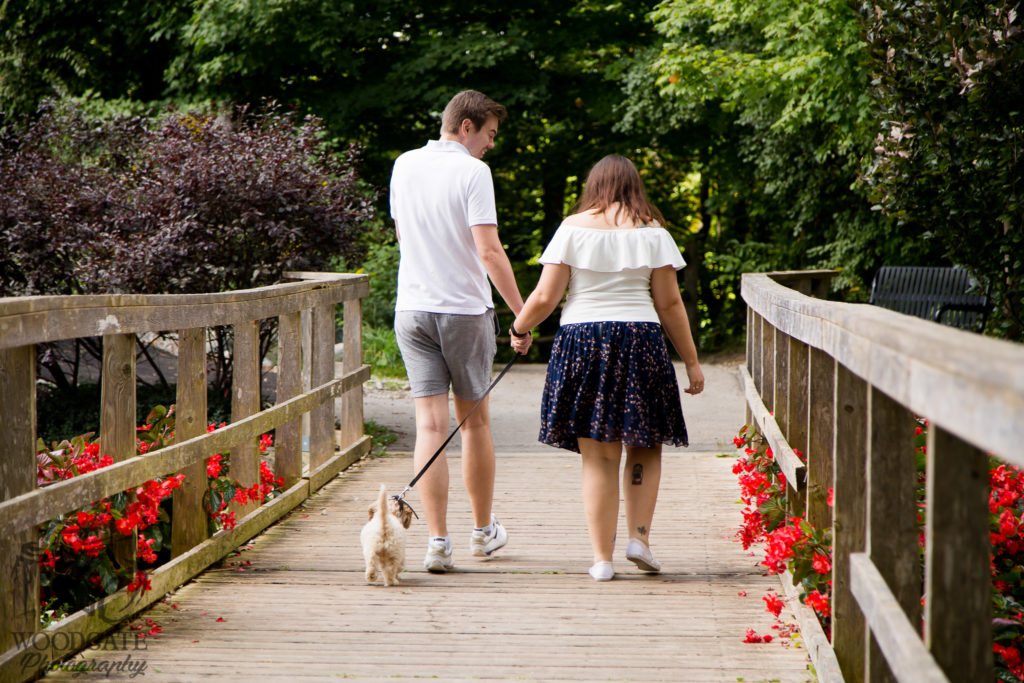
pixel 446 146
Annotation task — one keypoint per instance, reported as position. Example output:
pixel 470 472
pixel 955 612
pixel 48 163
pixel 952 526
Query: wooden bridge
pixel 838 382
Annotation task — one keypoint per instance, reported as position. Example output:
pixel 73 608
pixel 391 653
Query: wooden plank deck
pixel 293 605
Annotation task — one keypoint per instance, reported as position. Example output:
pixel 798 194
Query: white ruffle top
pixel 610 271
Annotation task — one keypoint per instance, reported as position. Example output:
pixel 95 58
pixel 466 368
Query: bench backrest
pixel 945 295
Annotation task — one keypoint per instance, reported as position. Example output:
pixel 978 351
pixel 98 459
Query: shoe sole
pixel 643 564
pixel 480 552
pixel 438 569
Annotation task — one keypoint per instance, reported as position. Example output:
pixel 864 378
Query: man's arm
pixel 498 267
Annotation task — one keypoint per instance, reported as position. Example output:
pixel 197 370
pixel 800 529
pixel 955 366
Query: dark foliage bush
pixel 184 202
pixel 180 203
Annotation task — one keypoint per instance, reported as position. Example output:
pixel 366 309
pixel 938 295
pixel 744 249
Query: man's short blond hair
pixel 472 105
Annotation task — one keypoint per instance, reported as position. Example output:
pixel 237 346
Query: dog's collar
pixel 401 501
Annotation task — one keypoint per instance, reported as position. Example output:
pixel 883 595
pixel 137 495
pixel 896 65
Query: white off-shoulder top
pixel 610 271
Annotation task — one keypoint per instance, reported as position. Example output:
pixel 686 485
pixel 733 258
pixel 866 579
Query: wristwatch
pixel 512 329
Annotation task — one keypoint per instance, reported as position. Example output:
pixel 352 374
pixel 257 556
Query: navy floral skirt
pixel 611 381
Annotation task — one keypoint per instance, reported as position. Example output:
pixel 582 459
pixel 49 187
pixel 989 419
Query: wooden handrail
pixel 27 321
pixel 843 383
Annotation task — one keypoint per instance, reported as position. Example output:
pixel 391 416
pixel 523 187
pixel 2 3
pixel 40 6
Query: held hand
pixel 521 344
pixel 696 377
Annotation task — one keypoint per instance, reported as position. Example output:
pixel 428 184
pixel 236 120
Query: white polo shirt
pixel 437 193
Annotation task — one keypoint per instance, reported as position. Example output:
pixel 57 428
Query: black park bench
pixel 945 295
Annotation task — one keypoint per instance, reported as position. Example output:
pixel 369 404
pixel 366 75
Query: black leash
pixel 400 498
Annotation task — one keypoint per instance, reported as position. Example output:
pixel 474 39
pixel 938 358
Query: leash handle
pixel 452 435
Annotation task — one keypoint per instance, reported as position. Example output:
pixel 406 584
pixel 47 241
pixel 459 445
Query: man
pixel 442 201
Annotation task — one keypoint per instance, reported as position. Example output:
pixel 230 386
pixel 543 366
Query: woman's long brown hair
pixel 614 179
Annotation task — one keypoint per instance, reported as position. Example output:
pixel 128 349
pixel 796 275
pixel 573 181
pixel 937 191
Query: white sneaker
pixel 602 571
pixel 439 557
pixel 482 545
pixel 639 554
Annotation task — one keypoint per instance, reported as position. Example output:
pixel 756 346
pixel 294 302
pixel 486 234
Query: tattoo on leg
pixel 642 530
pixel 638 474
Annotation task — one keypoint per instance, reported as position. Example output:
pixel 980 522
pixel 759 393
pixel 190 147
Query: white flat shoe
pixel 602 571
pixel 639 554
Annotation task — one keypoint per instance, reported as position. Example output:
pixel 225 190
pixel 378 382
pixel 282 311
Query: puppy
pixel 383 538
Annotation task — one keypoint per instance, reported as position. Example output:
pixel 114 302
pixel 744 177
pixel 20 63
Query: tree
pixel 109 49
pixel 768 101
pixel 947 163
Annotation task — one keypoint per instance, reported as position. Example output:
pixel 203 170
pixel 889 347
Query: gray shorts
pixel 442 349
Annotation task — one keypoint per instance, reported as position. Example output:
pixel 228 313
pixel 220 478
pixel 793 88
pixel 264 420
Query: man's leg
pixel 431 431
pixel 477 458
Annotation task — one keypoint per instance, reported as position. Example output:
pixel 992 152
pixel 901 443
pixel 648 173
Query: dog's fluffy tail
pixel 382 509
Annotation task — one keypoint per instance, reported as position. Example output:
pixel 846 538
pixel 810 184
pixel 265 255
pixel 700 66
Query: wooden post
pixel 820 437
pixel 796 414
pixel 756 372
pixel 19 548
pixel 958 607
pixel 796 393
pixel 245 401
pixel 352 401
pixel 892 541
pixel 321 418
pixel 768 364
pixel 780 342
pixel 306 321
pixel 118 420
pixel 189 519
pixel 751 359
pixel 288 446
pixel 848 526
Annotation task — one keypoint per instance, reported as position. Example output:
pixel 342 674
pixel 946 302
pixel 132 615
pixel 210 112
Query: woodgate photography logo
pixel 117 652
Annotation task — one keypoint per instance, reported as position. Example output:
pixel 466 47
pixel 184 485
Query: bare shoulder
pixel 591 219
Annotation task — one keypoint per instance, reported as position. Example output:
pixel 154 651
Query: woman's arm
pixel 672 314
pixel 542 301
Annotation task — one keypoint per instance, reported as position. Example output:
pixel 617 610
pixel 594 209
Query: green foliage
pixel 105 49
pixel 381 437
pixel 753 122
pixel 381 265
pixel 381 352
pixel 779 64
pixel 947 164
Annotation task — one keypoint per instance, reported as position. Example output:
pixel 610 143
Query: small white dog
pixel 383 538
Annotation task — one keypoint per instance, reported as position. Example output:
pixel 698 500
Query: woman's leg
pixel 640 481
pixel 601 494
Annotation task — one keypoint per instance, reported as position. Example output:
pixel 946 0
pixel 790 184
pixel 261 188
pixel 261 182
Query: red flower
pixel 752 637
pixel 821 564
pixel 774 603
pixel 48 559
pixel 819 603
pixel 141 581
pixel 213 466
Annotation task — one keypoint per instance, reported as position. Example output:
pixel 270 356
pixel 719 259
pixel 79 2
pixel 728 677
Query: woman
pixel 610 382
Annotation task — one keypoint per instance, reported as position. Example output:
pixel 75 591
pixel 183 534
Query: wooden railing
pixel 843 383
pixel 308 304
